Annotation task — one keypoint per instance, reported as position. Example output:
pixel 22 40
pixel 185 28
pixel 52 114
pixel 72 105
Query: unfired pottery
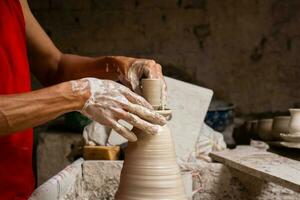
pixel 294 125
pixel 292 145
pixel 150 171
pixel 280 125
pixel 290 137
pixel 254 134
pixel 248 126
pixel 265 129
pixel 152 92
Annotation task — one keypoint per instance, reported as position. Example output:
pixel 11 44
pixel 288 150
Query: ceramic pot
pixel 294 125
pixel 152 92
pixel 265 129
pixel 150 171
pixel 280 125
pixel 254 134
pixel 219 115
pixel 248 127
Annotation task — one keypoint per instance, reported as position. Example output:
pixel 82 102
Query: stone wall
pixel 246 51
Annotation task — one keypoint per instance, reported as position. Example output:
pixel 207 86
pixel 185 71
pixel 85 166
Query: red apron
pixel 16 175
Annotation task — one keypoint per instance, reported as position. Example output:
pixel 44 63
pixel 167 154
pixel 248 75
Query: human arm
pixel 110 102
pixel 101 100
pixel 26 110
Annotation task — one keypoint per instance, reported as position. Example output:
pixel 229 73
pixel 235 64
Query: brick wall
pixel 247 51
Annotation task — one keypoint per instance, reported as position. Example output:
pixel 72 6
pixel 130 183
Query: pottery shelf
pixel 291 145
pixel 262 164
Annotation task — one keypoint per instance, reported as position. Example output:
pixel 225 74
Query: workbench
pixel 263 164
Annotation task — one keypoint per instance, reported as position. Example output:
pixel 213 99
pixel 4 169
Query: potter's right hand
pixel 109 102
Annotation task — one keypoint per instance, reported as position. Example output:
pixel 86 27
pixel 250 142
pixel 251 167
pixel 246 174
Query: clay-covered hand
pixel 110 102
pixel 133 70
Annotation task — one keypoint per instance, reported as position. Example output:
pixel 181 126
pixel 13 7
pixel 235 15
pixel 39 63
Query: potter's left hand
pixel 133 70
pixel 107 102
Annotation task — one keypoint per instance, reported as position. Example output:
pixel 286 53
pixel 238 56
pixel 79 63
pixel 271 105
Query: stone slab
pixel 60 185
pixel 262 164
pixel 217 181
pixel 189 104
pixel 101 179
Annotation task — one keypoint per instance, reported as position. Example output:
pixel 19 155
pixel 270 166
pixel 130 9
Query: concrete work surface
pixel 98 180
pixel 262 164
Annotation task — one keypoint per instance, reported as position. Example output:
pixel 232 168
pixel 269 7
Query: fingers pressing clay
pixel 125 132
pixel 110 101
pixel 144 113
pixel 142 124
pixel 136 121
pixel 143 68
pixel 136 99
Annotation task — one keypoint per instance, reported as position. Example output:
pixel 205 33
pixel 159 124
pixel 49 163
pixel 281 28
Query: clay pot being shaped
pixel 265 129
pixel 280 125
pixel 150 171
pixel 294 125
pixel 152 92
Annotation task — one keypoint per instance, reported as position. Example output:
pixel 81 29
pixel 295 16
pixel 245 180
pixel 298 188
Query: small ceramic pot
pixel 220 115
pixel 152 92
pixel 294 125
pixel 248 126
pixel 280 125
pixel 265 129
pixel 253 130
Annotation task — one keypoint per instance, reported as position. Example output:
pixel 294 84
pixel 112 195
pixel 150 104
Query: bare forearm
pixel 71 67
pixel 21 111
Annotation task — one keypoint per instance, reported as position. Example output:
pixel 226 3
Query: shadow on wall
pixel 179 73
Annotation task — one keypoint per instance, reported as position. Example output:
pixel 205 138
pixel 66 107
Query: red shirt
pixel 16 175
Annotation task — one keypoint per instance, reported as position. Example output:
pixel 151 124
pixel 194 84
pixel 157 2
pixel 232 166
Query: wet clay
pixel 150 171
pixel 152 92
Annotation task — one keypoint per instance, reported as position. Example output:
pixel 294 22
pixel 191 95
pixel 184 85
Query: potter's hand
pixel 110 102
pixel 133 70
